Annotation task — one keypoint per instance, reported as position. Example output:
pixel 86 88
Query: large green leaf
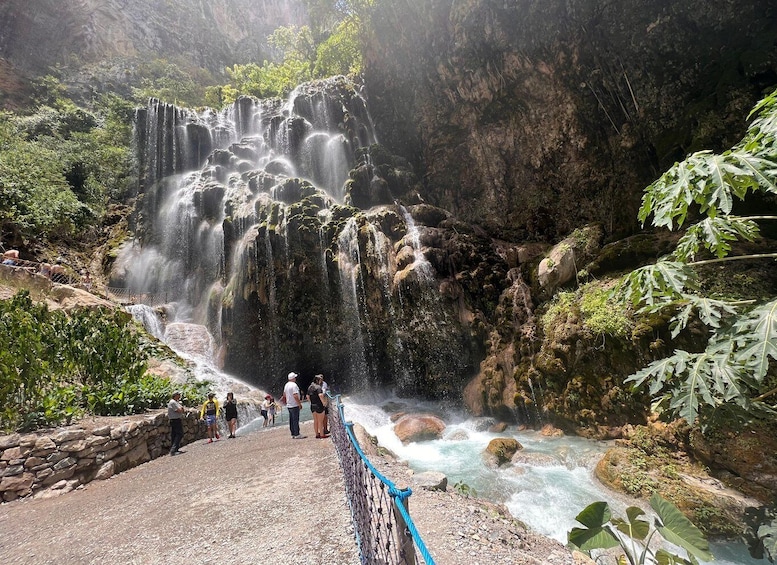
pixel 679 530
pixel 663 557
pixel 635 527
pixel 592 538
pixel 596 535
pixel 595 515
pixel 657 284
pixel 757 339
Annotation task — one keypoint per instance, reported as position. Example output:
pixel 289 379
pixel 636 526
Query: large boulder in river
pixel 501 450
pixel 418 427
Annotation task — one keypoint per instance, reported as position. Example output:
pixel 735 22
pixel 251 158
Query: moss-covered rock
pixel 501 450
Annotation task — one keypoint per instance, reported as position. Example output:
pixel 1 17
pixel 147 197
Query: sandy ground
pixel 260 498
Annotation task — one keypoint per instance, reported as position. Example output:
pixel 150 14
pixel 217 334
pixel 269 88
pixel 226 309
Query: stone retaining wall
pixel 58 460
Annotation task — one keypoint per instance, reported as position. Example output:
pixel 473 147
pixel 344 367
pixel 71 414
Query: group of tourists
pixel 292 398
pixel 319 405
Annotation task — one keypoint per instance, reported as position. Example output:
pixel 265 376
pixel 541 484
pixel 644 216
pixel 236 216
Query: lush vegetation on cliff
pixel 329 46
pixel 60 164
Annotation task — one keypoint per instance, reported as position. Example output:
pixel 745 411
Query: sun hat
pixel 267 397
pixel 292 376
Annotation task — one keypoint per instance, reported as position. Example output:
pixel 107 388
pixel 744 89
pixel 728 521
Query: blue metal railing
pixel 385 532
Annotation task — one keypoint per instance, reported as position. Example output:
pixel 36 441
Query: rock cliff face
pixel 38 34
pixel 532 118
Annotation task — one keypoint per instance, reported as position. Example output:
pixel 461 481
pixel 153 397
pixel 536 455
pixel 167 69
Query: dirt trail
pixel 259 498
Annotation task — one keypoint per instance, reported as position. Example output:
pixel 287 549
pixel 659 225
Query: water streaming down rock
pixel 250 221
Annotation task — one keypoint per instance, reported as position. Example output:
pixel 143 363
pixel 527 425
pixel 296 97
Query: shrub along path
pixel 259 498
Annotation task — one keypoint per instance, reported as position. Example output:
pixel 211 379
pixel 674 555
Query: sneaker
pixel 218 436
pixel 299 437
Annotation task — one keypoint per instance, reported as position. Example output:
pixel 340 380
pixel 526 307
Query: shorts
pixel 210 419
pixel 317 409
pixel 264 414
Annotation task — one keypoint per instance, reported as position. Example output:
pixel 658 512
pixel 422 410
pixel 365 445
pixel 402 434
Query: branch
pixel 736 258
pixel 766 395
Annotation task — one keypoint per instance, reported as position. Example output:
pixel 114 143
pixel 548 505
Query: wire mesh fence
pixel 385 531
pixel 129 296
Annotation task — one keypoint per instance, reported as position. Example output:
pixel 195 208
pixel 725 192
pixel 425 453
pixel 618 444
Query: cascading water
pixel 250 232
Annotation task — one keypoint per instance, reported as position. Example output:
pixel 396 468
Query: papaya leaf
pixel 757 339
pixel 715 235
pixel 762 171
pixel 657 284
pixel 679 530
pixel 695 389
pixel 767 534
pixel 660 371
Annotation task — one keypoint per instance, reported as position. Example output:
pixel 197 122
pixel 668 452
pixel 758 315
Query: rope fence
pixel 385 532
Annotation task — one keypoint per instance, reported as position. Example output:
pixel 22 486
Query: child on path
pixel 208 413
pixel 266 409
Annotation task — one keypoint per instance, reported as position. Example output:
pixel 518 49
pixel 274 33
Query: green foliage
pixel 761 535
pixel 339 54
pixel 174 82
pixel 60 164
pixel 35 199
pixel 731 373
pixel 331 48
pixel 601 314
pixel 634 535
pixel 55 367
pixel 464 489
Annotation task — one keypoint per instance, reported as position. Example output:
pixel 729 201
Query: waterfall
pixel 149 318
pixel 252 230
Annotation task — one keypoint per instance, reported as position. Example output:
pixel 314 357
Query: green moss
pixel 601 316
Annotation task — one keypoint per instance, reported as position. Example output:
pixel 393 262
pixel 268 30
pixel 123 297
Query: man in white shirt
pixel 294 404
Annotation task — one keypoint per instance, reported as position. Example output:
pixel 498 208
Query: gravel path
pixel 259 498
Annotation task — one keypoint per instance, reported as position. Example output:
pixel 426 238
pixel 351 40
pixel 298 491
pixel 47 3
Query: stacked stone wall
pixel 55 461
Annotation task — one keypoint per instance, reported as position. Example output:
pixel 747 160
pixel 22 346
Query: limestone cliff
pixel 533 117
pixel 39 34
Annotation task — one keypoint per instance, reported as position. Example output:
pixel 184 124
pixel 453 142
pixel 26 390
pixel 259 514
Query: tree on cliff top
pixel 736 371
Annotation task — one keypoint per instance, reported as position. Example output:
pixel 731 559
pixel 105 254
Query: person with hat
pixel 294 404
pixel 175 413
pixel 208 413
